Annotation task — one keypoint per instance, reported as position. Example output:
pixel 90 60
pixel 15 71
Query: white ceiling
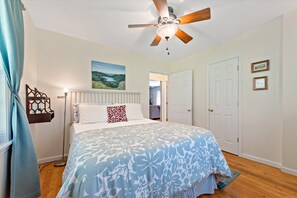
pixel 106 21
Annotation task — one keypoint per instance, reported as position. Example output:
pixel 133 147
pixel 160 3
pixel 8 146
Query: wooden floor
pixel 255 180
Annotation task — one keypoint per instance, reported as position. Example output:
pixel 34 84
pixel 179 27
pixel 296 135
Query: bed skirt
pixel 205 186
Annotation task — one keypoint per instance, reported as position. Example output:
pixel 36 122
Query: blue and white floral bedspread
pixel 150 160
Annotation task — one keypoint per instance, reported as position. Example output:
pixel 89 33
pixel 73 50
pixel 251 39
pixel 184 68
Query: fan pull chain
pixel 168 53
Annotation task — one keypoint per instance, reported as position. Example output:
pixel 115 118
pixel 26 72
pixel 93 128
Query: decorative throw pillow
pixel 117 114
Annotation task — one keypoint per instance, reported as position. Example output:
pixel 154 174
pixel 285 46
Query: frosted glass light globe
pixel 167 30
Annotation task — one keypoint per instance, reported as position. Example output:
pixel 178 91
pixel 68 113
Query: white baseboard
pixel 289 170
pixel 262 160
pixel 50 159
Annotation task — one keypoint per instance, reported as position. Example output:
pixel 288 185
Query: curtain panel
pixel 24 175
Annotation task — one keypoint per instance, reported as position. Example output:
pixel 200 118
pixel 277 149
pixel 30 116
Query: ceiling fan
pixel 168 22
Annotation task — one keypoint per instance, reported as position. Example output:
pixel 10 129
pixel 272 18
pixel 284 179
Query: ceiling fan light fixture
pixel 167 30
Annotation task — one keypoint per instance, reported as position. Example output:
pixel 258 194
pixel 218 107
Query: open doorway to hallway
pixel 155 100
pixel 158 96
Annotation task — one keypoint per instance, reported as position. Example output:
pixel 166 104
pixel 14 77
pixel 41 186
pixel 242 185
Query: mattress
pixel 77 128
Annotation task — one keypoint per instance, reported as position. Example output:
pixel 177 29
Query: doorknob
pixel 210 110
pixel 189 110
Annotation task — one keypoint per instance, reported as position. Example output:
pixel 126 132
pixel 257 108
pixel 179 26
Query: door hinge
pixel 238 139
pixel 237 67
pixel 237 103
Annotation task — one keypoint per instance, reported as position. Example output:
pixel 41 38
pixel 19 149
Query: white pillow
pixel 89 113
pixel 133 111
pixel 75 108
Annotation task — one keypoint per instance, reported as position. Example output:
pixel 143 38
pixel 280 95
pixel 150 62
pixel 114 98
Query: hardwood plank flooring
pixel 50 180
pixel 255 180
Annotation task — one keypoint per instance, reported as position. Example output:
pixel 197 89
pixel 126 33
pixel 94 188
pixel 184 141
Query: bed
pixel 141 158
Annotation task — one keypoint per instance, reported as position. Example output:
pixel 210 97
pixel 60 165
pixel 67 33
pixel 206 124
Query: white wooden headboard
pixel 92 96
pixel 83 96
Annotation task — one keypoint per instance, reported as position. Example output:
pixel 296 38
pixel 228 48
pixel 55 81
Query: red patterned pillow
pixel 117 114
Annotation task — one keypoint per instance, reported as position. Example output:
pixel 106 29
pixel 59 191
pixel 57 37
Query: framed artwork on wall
pixel 108 76
pixel 260 83
pixel 260 66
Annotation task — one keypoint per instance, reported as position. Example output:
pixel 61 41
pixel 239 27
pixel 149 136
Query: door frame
pixel 239 97
pixel 163 84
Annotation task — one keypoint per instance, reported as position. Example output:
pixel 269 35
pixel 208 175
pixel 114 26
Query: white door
pixel 223 103
pixel 180 97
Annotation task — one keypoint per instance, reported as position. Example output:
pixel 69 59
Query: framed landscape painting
pixel 108 76
pixel 260 66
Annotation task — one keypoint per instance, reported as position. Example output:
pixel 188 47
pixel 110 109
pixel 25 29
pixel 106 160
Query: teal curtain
pixel 24 175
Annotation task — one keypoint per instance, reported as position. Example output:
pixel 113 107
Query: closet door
pixel 223 103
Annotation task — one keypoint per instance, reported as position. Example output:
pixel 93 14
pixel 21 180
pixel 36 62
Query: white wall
pixel 54 61
pixel 289 86
pixel 260 110
pixel 64 61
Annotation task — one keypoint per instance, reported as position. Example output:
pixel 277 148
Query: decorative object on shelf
pixel 261 83
pixel 63 160
pixel 108 76
pixel 260 66
pixel 38 106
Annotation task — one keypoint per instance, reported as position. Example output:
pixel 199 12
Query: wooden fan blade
pixel 183 36
pixel 156 41
pixel 141 25
pixel 162 7
pixel 196 16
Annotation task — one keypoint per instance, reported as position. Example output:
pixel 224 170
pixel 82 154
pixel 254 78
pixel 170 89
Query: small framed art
pixel 260 66
pixel 260 83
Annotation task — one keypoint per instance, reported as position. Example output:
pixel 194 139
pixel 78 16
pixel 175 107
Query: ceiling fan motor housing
pixel 170 9
pixel 171 20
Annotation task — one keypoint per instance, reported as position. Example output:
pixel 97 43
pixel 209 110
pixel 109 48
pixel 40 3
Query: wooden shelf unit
pixel 38 106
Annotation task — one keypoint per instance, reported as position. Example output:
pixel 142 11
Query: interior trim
pixel 5 146
pixel 50 159
pixel 289 170
pixel 262 160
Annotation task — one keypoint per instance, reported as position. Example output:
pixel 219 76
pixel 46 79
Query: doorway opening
pixel 155 100
pixel 158 96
